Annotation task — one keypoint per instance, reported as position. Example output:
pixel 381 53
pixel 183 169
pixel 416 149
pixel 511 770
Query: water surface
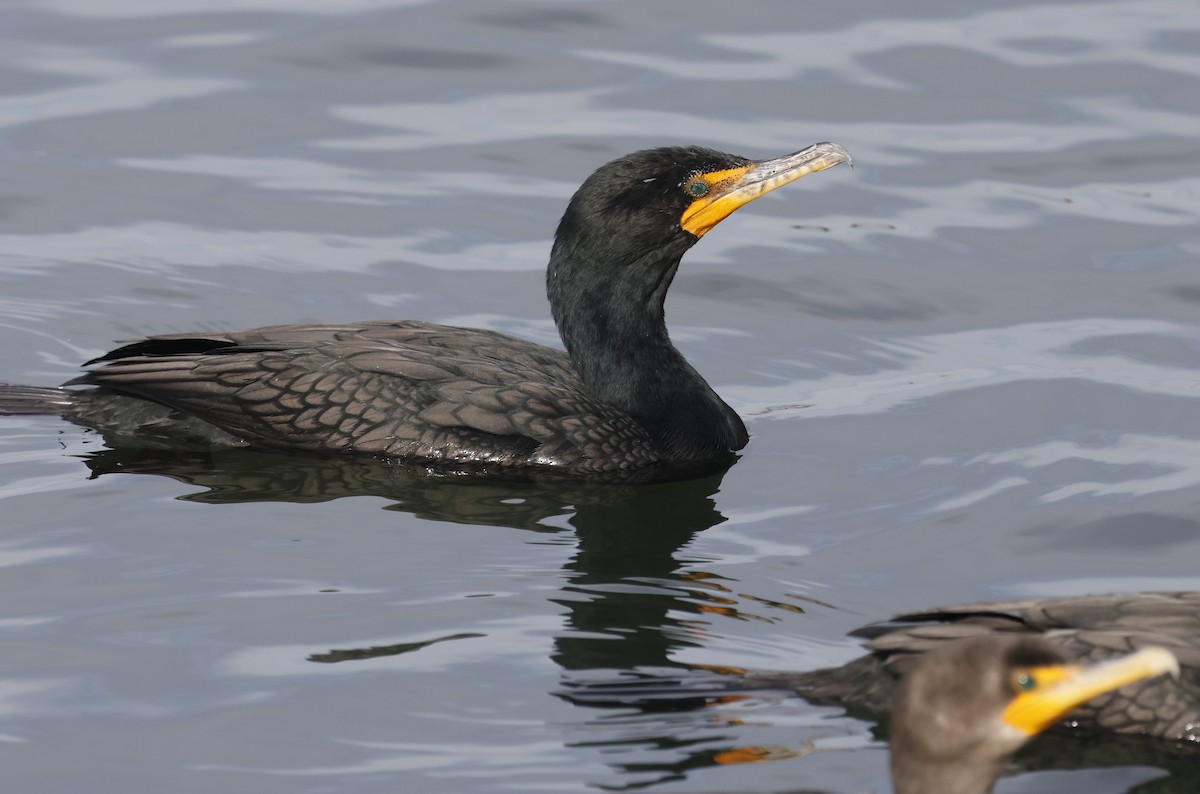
pixel 970 366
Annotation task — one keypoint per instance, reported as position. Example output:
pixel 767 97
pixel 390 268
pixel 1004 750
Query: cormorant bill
pixel 621 403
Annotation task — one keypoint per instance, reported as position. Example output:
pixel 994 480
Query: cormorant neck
pixel 945 776
pixel 611 318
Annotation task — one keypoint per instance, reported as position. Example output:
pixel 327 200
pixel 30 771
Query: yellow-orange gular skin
pixel 719 193
pixel 1045 694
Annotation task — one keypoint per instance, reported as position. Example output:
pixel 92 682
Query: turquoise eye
pixel 697 189
pixel 1025 682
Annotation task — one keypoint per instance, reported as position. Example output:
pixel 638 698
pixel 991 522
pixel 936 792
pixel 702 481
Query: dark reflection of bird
pixel 621 402
pixel 967 705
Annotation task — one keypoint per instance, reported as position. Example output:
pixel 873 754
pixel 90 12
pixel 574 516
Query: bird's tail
pixel 16 399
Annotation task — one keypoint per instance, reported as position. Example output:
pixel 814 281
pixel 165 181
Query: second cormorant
pixel 1088 628
pixel 961 710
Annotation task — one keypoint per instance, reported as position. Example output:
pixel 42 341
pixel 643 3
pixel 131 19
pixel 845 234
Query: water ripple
pixel 929 366
pixel 1119 32
pixel 131 9
pixel 112 85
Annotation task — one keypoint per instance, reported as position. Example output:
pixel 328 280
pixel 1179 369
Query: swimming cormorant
pixel 958 712
pixel 1088 628
pixel 621 402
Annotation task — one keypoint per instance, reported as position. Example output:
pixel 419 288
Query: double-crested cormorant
pixel 1085 628
pixel 622 401
pixel 967 705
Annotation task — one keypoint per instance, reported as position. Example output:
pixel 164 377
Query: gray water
pixel 971 368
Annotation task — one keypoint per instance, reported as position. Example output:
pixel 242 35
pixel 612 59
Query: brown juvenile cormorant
pixel 968 705
pixel 1086 628
pixel 621 402
pixel 963 708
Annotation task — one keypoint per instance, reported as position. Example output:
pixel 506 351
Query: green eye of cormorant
pixel 697 188
pixel 1025 682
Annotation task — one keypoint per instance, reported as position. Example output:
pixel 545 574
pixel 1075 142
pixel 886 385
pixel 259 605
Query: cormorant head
pixel 621 238
pixel 968 705
pixel 656 203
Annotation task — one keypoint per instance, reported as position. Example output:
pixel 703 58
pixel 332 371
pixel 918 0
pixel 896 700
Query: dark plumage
pixel 1085 628
pixel 621 402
